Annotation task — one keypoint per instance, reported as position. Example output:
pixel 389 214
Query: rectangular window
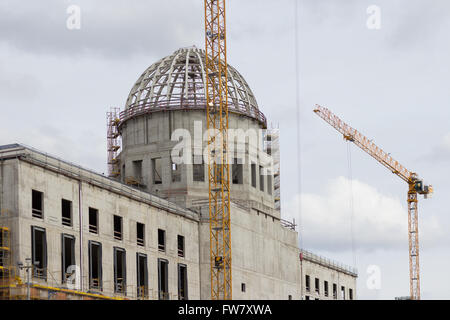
pixel 317 285
pixel 66 212
pixel 236 171
pixel 307 283
pixel 269 183
pixel 67 256
pixel 95 265
pixel 176 172
pixel 306 297
pixel 142 275
pixel 243 287
pixel 253 169
pixel 137 170
pixel 289 297
pixel 39 252
pixel 120 271
pixel 180 241
pixel 156 167
pixel 163 280
pixel 334 291
pixel 350 294
pixel 161 240
pixel 198 169
pixel 261 178
pixel 118 227
pixel 37 208
pixel 343 292
pixel 218 173
pixel 182 282
pixel 140 234
pixel 93 220
pixel 325 288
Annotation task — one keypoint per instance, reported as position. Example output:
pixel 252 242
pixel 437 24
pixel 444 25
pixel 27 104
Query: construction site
pixel 190 208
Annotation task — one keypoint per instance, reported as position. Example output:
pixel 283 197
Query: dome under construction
pixel 178 81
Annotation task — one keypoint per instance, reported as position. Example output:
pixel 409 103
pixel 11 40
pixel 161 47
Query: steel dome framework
pixel 178 81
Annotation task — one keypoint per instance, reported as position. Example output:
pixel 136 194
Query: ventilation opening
pixel 142 275
pixel 163 281
pixel 66 212
pixel 93 220
pixel 182 282
pixel 39 252
pixel 68 257
pixel 243 287
pixel 120 280
pixel 37 204
pixel 140 234
pixel 95 265
pixel 117 227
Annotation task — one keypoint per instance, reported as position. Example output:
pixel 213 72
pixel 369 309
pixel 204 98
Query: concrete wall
pixel 264 257
pixel 148 136
pixel 56 186
pixel 324 273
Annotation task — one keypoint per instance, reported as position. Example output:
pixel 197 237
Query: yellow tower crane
pixel 415 186
pixel 218 167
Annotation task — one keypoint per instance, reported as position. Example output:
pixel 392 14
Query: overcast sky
pixel 390 83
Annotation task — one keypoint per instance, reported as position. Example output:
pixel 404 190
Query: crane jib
pixel 415 186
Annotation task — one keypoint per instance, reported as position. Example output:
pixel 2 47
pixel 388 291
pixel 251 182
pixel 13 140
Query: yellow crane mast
pixel 218 167
pixel 415 186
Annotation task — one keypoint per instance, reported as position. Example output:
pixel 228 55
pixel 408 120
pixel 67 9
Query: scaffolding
pixel 272 146
pixel 6 272
pixel 113 141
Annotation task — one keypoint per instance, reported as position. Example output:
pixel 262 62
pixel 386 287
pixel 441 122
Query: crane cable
pixel 298 108
pixel 352 211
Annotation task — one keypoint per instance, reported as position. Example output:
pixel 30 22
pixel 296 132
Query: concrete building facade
pixel 143 232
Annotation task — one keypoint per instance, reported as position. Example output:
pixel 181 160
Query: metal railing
pixel 67 221
pixel 309 256
pixel 93 229
pixel 178 104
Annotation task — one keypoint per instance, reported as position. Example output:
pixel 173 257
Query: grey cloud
pixel 110 28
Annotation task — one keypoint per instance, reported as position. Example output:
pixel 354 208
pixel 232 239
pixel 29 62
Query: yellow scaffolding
pixel 6 271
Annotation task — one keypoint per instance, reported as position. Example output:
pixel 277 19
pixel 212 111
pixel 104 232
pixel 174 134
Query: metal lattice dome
pixel 177 82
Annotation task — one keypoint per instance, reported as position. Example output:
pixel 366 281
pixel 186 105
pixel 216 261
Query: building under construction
pixel 143 231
